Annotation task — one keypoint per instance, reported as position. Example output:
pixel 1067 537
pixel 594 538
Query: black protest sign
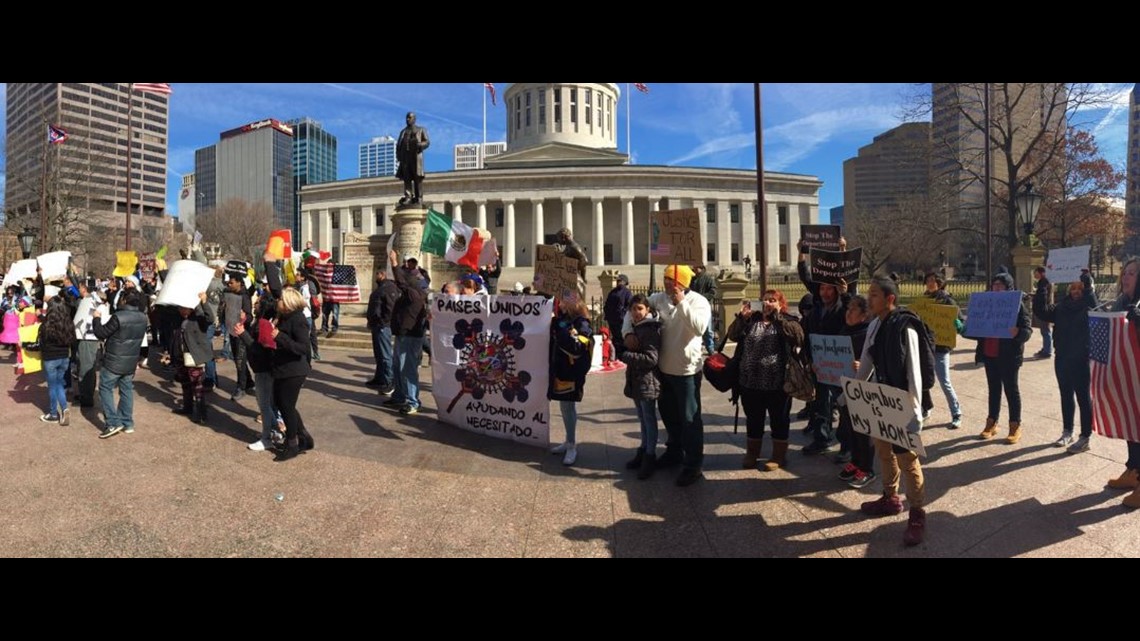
pixel 820 237
pixel 831 267
pixel 676 237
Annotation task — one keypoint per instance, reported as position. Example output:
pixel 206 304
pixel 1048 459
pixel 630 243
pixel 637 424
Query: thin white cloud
pixel 790 142
pixel 732 142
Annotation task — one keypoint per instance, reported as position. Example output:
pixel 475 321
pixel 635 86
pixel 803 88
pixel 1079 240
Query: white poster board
pixel 20 270
pixel 185 280
pixel 491 363
pixel 1064 265
pixel 53 265
pixel 884 413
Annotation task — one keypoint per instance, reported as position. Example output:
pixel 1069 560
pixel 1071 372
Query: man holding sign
pixel 892 353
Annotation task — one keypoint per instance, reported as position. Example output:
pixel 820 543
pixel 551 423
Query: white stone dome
pixel 575 113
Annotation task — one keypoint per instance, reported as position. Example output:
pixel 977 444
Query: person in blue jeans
pixel 641 384
pixel 408 317
pixel 570 349
pixel 56 337
pixel 122 337
pixel 936 289
pixel 381 303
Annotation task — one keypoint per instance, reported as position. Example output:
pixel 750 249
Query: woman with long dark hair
pixel 291 367
pixel 763 338
pixel 1128 301
pixel 55 338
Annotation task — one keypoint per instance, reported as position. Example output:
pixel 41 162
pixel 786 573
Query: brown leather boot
pixel 990 431
pixel 1014 432
pixel 915 527
pixel 752 453
pixel 1133 499
pixel 779 456
pixel 1130 480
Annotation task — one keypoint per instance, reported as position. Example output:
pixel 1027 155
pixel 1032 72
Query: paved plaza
pixel 382 484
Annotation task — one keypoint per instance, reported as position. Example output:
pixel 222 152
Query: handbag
pixel 722 372
pixel 799 381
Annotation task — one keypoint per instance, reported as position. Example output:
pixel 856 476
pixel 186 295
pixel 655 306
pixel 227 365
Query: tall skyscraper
pixel 88 169
pixel 314 160
pixel 378 157
pixel 253 162
pixel 467 155
pixel 1132 197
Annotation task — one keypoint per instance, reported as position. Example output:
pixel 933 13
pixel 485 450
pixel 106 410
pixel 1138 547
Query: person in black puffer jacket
pixel 642 348
pixel 1070 318
pixel 122 338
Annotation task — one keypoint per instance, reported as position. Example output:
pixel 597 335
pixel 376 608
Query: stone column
pixel 481 217
pixel 704 227
pixel 794 222
pixel 747 233
pixel 306 229
pixel 723 235
pixel 1025 259
pixel 568 213
pixel 509 226
pixel 457 210
pixel 538 226
pixel 408 227
pixel 731 292
pixel 773 238
pixel 599 234
pixel 324 230
pixel 368 220
pixel 627 232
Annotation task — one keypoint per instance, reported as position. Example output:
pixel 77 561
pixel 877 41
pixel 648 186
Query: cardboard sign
pixel 830 267
pixel 20 270
pixel 832 357
pixel 148 264
pixel 491 364
pixel 280 244
pixel 940 319
pixel 1064 265
pixel 554 273
pixel 820 237
pixel 676 237
pixel 125 262
pixel 992 314
pixel 185 280
pixel 884 413
pixel 54 265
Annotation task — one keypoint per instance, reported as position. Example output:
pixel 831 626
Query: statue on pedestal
pixel 410 155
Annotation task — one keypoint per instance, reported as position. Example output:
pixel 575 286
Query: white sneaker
pixel 559 449
pixel 571 455
pixel 1065 440
pixel 1081 445
pixel 258 446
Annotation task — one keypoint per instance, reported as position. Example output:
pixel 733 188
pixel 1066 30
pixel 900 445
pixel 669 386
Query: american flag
pixel 154 87
pixel 1114 363
pixel 641 86
pixel 338 283
pixel 56 135
pixel 490 87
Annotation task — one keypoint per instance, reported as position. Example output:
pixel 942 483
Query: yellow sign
pixel 940 318
pixel 33 361
pixel 125 262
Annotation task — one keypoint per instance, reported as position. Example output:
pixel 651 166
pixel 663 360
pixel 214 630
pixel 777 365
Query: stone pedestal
pixel 408 228
pixel 1024 260
pixel 608 280
pixel 731 291
pixel 367 254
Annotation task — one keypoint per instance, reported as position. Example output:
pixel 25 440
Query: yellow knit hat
pixel 683 274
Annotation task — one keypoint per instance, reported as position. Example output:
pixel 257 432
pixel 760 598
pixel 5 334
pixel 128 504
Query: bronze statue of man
pixel 409 153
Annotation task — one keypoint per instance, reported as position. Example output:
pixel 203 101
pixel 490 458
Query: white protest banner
pixel 820 237
pixel 1064 265
pixel 832 358
pixel 20 270
pixel 53 265
pixel 992 314
pixel 676 237
pixel 491 364
pixel 829 267
pixel 183 283
pixel 884 413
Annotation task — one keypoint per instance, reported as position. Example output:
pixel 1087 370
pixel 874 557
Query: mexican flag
pixel 451 239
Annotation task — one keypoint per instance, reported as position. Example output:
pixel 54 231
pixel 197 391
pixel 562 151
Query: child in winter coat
pixel 641 384
pixel 570 345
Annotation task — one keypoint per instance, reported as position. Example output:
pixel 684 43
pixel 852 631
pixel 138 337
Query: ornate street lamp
pixel 1028 202
pixel 27 239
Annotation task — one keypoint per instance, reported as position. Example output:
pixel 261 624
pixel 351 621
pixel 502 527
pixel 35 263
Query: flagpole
pixel 130 101
pixel 628 122
pixel 43 197
pixel 483 149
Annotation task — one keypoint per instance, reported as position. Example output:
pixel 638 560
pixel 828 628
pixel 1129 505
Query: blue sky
pixel 808 128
